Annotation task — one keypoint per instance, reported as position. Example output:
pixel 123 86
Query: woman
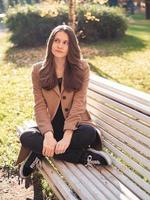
pixel 64 128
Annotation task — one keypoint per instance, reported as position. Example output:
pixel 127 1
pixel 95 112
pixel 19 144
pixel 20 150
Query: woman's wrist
pixel 49 134
pixel 68 133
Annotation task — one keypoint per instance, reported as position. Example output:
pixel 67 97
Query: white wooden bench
pixel 123 115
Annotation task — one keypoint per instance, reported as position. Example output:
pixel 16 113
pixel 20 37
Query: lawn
pixel 126 61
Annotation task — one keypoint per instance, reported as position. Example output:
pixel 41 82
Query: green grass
pixel 126 61
pixel 15 103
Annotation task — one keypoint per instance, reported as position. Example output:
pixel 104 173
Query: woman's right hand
pixel 49 144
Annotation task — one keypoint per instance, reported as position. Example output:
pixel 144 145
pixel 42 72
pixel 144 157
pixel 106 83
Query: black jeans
pixel 84 136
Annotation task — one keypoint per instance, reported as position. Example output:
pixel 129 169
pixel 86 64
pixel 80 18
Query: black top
pixel 58 121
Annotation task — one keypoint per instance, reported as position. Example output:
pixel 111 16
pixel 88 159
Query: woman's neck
pixel 60 62
pixel 60 66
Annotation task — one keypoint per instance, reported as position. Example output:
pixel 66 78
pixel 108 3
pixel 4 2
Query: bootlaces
pixel 91 162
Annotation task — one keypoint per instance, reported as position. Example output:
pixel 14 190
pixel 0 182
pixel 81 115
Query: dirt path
pixel 11 190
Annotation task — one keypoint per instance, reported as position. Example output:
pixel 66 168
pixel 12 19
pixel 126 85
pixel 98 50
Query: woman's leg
pixel 80 149
pixel 32 139
pixel 83 138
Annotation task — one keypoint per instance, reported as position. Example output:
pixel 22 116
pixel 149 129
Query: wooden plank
pixel 52 186
pixel 75 183
pixel 56 183
pixel 130 173
pixel 123 178
pixel 100 185
pixel 120 116
pixel 114 185
pixel 123 100
pixel 85 181
pixel 130 162
pixel 131 113
pixel 120 131
pixel 123 90
pixel 135 155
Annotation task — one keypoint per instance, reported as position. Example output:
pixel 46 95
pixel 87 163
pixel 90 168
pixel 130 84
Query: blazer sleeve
pixel 41 114
pixel 79 102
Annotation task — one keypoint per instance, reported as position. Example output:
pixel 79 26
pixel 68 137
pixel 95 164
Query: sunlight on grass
pixel 126 61
pixel 15 103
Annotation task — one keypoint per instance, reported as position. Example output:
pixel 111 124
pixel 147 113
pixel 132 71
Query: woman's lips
pixel 59 51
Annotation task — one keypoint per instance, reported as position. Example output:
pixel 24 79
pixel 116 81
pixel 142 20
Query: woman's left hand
pixel 64 143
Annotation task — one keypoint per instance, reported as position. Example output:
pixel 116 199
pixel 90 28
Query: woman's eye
pixel 66 42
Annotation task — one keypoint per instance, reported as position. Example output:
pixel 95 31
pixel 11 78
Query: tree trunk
pixel 72 14
pixel 147 9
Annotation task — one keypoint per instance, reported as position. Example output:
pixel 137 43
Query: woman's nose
pixel 60 44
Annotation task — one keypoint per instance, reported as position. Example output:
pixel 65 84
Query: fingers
pixel 49 152
pixel 60 148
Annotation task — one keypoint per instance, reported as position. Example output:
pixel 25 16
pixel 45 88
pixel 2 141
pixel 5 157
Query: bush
pixel 96 23
pixel 31 25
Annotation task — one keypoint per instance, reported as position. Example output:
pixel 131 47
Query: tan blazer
pixel 46 103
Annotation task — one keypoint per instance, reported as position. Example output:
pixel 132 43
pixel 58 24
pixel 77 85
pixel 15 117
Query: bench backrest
pixel 123 116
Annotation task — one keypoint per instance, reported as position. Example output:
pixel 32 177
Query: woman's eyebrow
pixel 57 38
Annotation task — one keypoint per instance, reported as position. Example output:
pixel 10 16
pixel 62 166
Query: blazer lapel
pixel 56 89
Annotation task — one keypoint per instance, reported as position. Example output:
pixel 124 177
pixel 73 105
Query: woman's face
pixel 60 45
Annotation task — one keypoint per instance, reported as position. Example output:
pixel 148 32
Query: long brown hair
pixel 73 74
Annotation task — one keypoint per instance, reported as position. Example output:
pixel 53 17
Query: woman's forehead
pixel 62 35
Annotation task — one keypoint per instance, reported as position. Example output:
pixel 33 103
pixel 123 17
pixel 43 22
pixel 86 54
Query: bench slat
pixel 121 132
pixel 143 161
pixel 128 182
pixel 58 184
pixel 120 89
pixel 126 170
pixel 130 162
pixel 79 188
pixel 123 100
pixel 101 186
pixel 120 116
pixel 119 186
pixel 97 194
pixel 140 117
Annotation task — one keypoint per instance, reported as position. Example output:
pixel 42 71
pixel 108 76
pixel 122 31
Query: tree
pixel 147 9
pixel 72 14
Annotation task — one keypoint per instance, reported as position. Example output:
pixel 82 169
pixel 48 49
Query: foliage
pixel 99 22
pixel 31 25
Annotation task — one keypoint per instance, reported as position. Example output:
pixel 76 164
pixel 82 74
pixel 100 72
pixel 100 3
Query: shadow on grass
pixel 140 28
pixel 25 57
pixel 101 73
pixel 113 47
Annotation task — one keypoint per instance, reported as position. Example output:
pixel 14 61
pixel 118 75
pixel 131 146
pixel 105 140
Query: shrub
pixel 31 26
pixel 98 22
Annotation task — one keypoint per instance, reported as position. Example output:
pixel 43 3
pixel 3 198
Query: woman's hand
pixel 49 144
pixel 64 143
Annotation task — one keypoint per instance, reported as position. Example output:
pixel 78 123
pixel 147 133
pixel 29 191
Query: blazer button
pixel 64 97
pixel 66 109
